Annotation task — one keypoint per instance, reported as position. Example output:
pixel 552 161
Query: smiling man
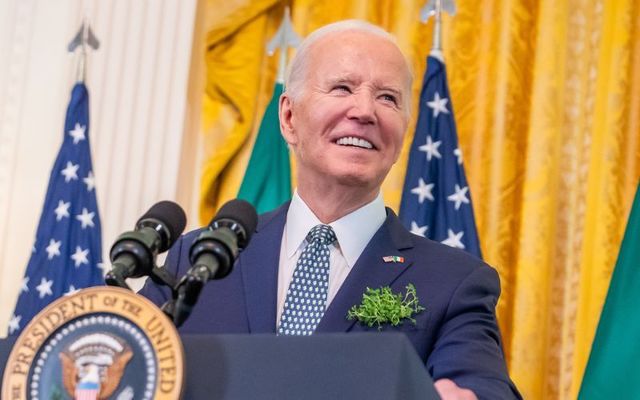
pixel 344 114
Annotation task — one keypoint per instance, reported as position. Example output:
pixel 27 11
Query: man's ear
pixel 285 113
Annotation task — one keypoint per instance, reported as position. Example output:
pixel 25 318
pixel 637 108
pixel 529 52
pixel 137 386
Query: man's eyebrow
pixel 391 89
pixel 351 80
pixel 341 79
pixel 394 90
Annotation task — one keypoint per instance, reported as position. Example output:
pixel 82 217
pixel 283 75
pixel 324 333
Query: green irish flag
pixel 613 369
pixel 267 181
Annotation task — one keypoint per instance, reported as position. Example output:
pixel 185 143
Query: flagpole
pixel 435 8
pixel 284 38
pixel 81 68
pixel 84 38
pixel 283 49
pixel 436 48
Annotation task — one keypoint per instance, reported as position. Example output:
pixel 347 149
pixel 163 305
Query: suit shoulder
pixel 266 218
pixel 263 220
pixel 190 236
pixel 439 256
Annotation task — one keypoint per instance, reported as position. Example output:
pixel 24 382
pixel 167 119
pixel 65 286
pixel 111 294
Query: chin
pixel 358 179
pixel 352 180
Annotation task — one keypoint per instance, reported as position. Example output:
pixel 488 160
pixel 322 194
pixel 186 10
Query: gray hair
pixel 297 68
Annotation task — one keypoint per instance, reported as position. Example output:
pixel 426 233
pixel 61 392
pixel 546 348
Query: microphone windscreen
pixel 171 216
pixel 242 212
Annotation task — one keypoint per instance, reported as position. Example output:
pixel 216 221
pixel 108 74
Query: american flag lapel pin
pixel 393 259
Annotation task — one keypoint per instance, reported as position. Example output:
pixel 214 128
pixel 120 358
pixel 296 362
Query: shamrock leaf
pixel 382 306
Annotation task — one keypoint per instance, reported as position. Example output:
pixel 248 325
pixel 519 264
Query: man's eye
pixel 389 97
pixel 342 88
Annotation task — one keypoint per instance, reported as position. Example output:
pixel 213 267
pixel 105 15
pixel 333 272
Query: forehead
pixel 355 55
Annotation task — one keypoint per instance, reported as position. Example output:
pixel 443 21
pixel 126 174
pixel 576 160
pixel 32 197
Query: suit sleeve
pixel 468 348
pixel 160 294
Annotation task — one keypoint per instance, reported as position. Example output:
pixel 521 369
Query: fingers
pixel 448 390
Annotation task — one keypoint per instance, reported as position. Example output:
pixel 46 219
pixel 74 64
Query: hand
pixel 448 390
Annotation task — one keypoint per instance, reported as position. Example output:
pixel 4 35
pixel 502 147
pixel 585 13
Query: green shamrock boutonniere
pixel 382 306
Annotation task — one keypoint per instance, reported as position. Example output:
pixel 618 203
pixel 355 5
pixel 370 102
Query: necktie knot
pixel 321 233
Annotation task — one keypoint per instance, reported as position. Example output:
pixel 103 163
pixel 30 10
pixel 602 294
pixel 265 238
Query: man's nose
pixel 363 108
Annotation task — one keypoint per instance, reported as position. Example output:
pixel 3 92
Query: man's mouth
pixel 355 142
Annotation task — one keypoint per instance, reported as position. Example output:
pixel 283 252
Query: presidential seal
pixel 100 343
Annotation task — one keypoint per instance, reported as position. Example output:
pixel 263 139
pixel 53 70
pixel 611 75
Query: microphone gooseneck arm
pixel 212 256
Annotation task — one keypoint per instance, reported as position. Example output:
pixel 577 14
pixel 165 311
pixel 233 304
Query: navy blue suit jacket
pixel 457 335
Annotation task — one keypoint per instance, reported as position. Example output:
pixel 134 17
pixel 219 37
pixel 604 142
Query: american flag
pixel 67 254
pixel 87 391
pixel 435 201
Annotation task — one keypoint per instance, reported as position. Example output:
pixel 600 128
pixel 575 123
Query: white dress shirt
pixel 353 233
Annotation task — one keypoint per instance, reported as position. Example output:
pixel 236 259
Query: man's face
pixel 347 124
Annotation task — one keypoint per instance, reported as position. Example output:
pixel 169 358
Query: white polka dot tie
pixel 307 294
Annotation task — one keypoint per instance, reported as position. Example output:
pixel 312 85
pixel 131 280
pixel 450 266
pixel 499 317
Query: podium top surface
pixel 321 366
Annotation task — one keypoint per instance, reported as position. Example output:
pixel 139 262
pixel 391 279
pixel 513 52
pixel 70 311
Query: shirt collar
pixel 353 231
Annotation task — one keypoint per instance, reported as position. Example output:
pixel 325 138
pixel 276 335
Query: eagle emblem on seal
pixel 93 365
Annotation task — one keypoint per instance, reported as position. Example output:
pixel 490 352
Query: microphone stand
pixel 186 294
pixel 158 275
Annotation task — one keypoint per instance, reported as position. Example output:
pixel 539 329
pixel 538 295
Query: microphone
pixel 133 254
pixel 230 231
pixel 213 253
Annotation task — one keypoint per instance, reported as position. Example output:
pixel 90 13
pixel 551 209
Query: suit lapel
pixel 369 271
pixel 260 272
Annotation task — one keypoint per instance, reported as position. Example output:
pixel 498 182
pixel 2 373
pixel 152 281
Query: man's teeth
pixel 353 141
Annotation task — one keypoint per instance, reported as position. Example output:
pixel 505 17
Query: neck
pixel 330 203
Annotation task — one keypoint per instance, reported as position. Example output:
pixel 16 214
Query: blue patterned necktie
pixel 307 293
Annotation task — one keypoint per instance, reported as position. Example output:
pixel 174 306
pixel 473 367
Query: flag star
pixel 90 181
pixel 104 267
pixel 72 290
pixel 71 171
pixel 25 284
pixel 438 105
pixel 62 210
pixel 431 148
pixel 454 239
pixel 53 249
pixel 418 230
pixel 86 218
pixel 80 256
pixel 14 323
pixel 44 288
pixel 458 154
pixel 460 196
pixel 423 190
pixel 78 133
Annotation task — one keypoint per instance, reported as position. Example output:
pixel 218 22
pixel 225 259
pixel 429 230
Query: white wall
pixel 138 82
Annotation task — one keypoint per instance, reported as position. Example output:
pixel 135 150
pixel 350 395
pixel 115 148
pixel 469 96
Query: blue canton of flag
pixel 435 199
pixel 67 253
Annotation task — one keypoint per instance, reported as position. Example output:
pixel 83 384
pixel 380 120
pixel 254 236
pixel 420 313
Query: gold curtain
pixel 547 102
